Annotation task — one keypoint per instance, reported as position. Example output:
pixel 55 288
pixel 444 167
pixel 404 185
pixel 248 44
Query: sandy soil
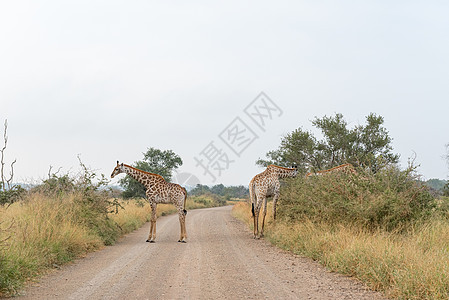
pixel 219 261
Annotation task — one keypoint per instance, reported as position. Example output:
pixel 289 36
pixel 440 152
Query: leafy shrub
pixel 90 198
pixel 207 200
pixel 390 199
pixel 446 190
pixel 11 195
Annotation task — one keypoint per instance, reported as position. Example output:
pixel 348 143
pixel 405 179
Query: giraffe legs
pixel 182 222
pixel 256 223
pixel 152 235
pixel 263 217
pixel 275 200
pixel 256 217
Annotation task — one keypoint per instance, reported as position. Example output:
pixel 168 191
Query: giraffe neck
pixel 283 172
pixel 142 177
pixel 346 168
pixel 287 173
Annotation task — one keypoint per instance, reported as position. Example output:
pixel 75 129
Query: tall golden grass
pixel 408 265
pixel 43 232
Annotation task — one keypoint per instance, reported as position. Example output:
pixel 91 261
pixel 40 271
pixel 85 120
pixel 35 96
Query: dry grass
pixel 42 232
pixel 136 212
pixel 411 265
pixel 242 211
pixel 45 232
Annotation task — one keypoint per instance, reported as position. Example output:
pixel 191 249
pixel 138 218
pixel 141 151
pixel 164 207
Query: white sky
pixel 108 79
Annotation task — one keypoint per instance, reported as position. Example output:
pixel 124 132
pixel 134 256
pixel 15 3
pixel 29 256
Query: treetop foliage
pixel 365 146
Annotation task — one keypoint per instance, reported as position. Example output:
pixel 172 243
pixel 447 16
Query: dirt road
pixel 220 261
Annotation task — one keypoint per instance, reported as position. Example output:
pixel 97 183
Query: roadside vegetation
pixel 386 230
pixel 382 225
pixel 67 216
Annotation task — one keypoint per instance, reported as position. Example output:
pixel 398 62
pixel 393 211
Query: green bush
pixel 91 200
pixel 390 199
pixel 209 200
pixel 446 190
pixel 11 195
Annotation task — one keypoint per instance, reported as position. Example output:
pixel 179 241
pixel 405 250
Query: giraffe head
pixel 295 170
pixel 289 172
pixel 118 169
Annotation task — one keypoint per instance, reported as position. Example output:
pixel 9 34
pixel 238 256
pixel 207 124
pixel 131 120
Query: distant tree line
pixel 436 184
pixel 227 192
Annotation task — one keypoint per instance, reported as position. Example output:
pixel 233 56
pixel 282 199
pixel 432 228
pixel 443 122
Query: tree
pixel 9 192
pixel 436 184
pixel 367 146
pixel 200 189
pixel 154 161
pixel 218 189
pixel 239 191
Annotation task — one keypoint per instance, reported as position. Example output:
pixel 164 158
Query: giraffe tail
pixel 185 199
pixel 252 196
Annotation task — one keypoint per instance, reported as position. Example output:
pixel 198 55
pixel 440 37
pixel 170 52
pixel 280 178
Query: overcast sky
pixel 108 79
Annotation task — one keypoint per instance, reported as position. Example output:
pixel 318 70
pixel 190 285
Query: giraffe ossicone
pixel 158 191
pixel 264 185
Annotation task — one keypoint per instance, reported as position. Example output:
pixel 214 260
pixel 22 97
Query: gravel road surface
pixel 221 260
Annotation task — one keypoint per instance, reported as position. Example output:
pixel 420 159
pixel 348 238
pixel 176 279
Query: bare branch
pixel 5 139
pixel 6 183
pixel 9 181
pixel 49 171
pixel 50 174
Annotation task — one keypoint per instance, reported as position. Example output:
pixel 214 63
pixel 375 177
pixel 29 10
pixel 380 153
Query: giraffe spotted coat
pixel 158 191
pixel 264 185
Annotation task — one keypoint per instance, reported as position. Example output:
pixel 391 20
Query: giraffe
pixel 346 168
pixel 264 185
pixel 158 191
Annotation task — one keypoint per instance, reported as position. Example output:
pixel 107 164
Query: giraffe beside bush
pixel 264 185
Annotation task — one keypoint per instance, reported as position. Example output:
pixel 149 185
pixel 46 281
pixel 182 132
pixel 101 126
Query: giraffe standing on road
pixel 264 185
pixel 158 191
